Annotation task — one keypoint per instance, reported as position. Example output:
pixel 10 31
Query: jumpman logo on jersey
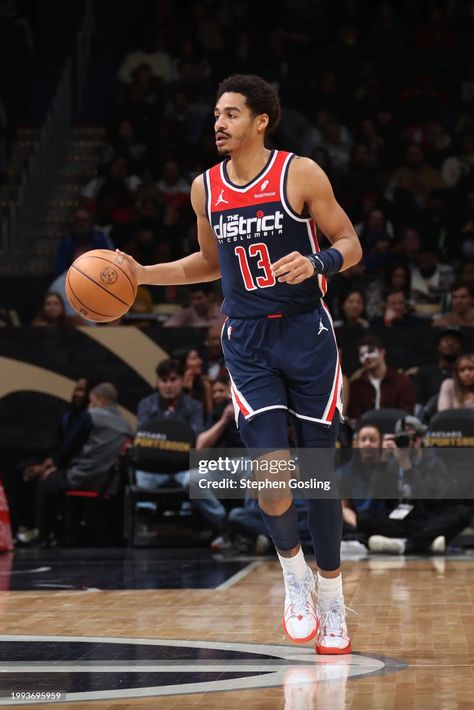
pixel 322 327
pixel 220 199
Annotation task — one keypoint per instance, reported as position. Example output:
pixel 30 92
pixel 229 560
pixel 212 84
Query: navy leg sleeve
pixel 324 515
pixel 269 432
pixel 283 528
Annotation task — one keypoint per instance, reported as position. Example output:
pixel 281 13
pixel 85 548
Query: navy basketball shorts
pixel 284 362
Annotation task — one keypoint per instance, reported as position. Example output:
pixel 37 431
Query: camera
pixel 402 440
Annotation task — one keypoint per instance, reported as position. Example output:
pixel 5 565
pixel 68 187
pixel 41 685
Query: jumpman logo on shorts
pixel 221 199
pixel 322 327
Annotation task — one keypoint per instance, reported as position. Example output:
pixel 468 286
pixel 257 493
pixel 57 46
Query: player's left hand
pixel 293 268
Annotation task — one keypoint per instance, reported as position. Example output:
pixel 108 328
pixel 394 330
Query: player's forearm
pixel 350 248
pixel 191 269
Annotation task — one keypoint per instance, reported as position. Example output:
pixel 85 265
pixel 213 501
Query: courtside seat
pixel 452 433
pixel 385 419
pixel 92 513
pixel 160 447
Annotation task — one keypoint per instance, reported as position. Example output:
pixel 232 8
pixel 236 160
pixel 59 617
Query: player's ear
pixel 262 122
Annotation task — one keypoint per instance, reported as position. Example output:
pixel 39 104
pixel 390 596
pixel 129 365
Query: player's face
pixel 234 125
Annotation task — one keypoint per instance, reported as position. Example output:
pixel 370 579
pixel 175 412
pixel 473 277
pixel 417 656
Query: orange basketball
pixel 100 286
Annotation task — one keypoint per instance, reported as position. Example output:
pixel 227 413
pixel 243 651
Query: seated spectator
pixel 32 470
pixel 169 401
pixel 374 223
pixel 173 186
pixel 458 392
pixel 423 522
pixel 192 65
pixel 152 53
pixel 141 101
pixel 395 311
pixel 83 237
pixel 343 283
pixel 378 254
pixel 337 143
pixel 408 247
pixel 222 430
pixel 466 271
pixel 52 312
pixel 146 246
pixel 197 384
pixel 213 354
pixel 397 276
pixel 116 170
pixel 378 386
pixel 359 476
pixel 429 377
pixel 429 282
pixel 66 429
pixel 123 141
pixel 59 286
pixel 462 307
pixel 94 444
pixel 353 311
pixel 460 165
pixel 415 177
pixel 361 180
pixel 202 312
pixel 110 196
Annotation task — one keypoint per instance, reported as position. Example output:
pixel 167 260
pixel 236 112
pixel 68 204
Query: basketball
pixel 100 286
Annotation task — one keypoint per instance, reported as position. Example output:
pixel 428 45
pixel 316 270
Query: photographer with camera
pixel 421 522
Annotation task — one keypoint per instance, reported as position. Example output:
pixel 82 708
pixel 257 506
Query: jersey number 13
pixel 267 278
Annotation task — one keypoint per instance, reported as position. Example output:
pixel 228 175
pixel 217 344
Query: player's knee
pixel 274 506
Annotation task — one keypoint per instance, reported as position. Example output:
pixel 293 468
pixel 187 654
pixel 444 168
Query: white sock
pixel 329 590
pixel 294 565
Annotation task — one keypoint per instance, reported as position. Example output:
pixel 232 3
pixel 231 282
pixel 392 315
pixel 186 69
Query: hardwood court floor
pixel 418 611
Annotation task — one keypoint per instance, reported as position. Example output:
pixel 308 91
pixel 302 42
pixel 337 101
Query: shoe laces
pixel 299 591
pixel 333 621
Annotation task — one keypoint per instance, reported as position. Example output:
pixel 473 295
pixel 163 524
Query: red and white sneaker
pixel 333 636
pixel 300 622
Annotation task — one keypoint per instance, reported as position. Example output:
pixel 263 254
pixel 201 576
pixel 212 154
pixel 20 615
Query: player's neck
pixel 245 165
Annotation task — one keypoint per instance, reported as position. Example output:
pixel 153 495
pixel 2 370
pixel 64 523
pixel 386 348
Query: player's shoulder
pixel 198 193
pixel 305 168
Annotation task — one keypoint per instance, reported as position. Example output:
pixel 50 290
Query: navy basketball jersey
pixel 255 226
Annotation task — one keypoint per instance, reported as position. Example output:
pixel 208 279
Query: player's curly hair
pixel 260 96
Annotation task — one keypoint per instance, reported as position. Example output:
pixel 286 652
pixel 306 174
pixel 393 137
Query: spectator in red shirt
pixel 378 386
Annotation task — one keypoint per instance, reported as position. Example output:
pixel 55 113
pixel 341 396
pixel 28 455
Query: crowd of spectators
pixel 381 96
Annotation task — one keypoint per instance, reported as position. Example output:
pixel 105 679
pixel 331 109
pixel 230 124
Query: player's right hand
pixel 137 269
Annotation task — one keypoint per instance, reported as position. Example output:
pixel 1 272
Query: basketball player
pixel 257 212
